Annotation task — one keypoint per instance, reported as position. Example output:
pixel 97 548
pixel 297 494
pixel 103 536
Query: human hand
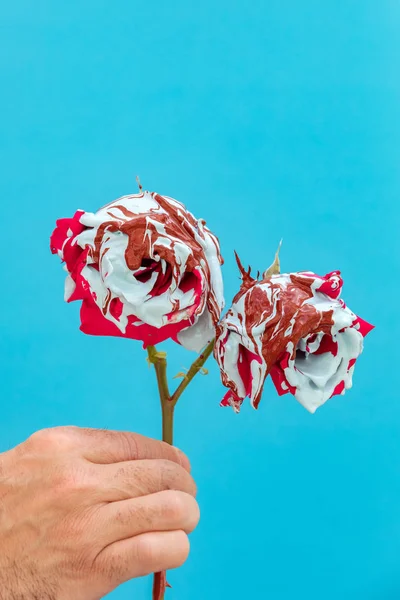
pixel 84 510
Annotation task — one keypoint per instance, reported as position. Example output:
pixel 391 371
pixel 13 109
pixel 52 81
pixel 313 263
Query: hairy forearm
pixel 24 583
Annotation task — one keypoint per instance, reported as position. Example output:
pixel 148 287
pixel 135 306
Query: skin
pixel 84 510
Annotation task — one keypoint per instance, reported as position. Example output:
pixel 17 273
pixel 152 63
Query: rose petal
pixel 299 331
pixel 144 265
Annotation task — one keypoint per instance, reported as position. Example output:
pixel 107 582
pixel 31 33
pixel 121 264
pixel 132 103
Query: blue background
pixel 269 119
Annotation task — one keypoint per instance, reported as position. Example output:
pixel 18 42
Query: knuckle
pixel 49 440
pixel 175 477
pixel 193 515
pixel 129 443
pixel 181 509
pixel 163 474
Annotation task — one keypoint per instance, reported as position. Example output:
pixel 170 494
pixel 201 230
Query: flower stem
pixel 168 422
pixel 194 369
pixel 159 360
pixel 168 402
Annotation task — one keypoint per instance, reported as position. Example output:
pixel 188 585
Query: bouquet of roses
pixel 144 268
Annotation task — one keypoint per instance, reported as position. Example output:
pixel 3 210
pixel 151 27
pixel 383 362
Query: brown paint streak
pixel 98 240
pixel 125 211
pixel 289 303
pixel 107 302
pixel 143 243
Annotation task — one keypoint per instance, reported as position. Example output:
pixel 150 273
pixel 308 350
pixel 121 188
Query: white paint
pixel 114 275
pixel 315 377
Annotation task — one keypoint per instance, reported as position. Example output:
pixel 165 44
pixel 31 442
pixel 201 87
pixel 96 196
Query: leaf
pixel 275 268
pixel 180 374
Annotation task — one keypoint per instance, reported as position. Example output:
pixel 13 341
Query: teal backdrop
pixel 269 119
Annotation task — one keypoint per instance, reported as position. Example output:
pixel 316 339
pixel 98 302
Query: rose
pixel 144 269
pixel 295 328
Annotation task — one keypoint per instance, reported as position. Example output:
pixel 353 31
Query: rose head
pixel 144 268
pixel 295 328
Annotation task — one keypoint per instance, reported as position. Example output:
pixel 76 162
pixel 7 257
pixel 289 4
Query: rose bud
pixel 144 268
pixel 295 328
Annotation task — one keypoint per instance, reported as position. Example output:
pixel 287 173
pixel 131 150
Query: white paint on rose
pixel 314 377
pixel 203 331
pixel 136 296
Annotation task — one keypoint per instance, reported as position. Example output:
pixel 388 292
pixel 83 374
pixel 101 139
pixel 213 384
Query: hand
pixel 83 510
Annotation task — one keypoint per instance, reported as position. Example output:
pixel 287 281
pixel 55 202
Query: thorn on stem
pixel 181 374
pixel 245 276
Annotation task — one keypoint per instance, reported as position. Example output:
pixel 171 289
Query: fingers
pixel 104 446
pixel 132 479
pixel 141 555
pixel 169 510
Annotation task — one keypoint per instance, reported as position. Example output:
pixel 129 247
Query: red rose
pixel 295 328
pixel 144 268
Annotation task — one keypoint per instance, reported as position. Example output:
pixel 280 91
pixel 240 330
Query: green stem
pixel 168 422
pixel 168 402
pixel 159 360
pixel 194 369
